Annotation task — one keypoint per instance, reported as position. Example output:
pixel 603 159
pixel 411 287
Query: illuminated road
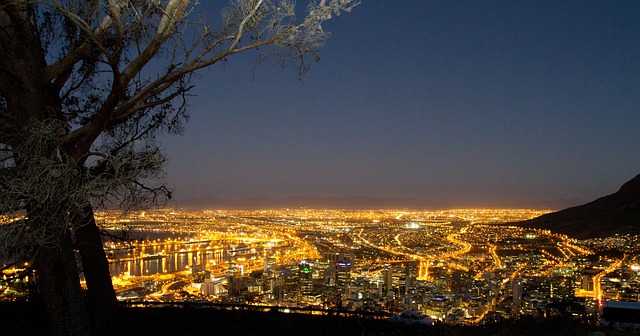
pixel 466 247
pixel 423 271
pixel 496 262
pixel 597 290
pixel 424 262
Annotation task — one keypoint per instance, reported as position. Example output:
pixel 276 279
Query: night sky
pixel 453 103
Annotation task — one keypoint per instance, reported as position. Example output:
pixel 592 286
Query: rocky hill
pixel 606 216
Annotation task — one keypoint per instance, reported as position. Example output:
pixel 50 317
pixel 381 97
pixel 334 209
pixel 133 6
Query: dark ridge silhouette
pixel 618 213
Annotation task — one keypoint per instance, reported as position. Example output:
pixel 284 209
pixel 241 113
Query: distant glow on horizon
pixel 444 105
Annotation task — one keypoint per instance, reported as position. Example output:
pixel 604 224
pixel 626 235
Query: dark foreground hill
pixel 26 319
pixel 604 217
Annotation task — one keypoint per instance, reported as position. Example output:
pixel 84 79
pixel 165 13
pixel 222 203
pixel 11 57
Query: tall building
pixel 236 285
pixel 517 292
pixel 325 271
pixel 343 274
pixel 388 282
pixel 587 279
pixel 460 281
pixel 411 274
pixel 305 276
pixel 561 287
pixel 289 278
pixel 331 257
pixel 270 264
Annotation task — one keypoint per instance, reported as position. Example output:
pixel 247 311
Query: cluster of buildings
pixel 455 266
pixel 339 281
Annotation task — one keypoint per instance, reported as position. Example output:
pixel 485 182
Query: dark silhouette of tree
pixel 85 85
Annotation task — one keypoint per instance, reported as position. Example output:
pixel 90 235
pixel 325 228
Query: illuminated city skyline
pixel 461 266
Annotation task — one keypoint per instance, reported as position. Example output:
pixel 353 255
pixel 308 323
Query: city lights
pixel 460 265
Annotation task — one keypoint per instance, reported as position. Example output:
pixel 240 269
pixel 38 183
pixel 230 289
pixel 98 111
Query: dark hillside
pixel 27 319
pixel 606 216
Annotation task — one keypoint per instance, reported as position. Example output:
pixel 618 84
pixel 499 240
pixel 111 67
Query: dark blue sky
pixel 457 103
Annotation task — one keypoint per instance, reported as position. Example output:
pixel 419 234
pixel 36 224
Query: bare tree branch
pixel 90 140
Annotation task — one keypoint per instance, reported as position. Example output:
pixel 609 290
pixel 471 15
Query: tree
pixel 85 85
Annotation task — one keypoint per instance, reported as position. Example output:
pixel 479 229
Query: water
pixel 171 255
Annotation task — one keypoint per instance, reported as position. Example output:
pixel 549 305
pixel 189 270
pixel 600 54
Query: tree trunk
pixel 59 284
pixel 103 305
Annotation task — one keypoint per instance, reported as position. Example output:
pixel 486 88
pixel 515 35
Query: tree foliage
pixel 117 72
pixel 85 86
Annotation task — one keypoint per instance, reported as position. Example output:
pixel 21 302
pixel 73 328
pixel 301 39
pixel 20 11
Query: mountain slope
pixel 608 215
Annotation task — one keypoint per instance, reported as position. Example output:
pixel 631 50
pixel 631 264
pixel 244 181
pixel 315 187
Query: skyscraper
pixel 305 277
pixel 517 292
pixel 343 274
